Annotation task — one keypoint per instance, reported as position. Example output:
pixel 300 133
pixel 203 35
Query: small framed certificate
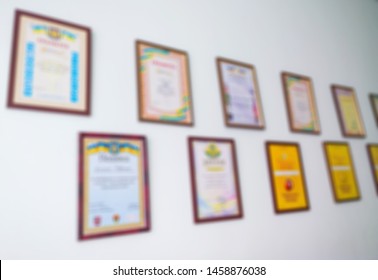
pixel 50 65
pixel 287 177
pixel 300 103
pixel 374 105
pixel 348 111
pixel 215 182
pixel 113 185
pixel 240 94
pixel 373 157
pixel 163 84
pixel 341 171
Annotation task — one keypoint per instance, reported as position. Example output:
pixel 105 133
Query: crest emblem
pixel 54 33
pixel 212 151
pixel 114 148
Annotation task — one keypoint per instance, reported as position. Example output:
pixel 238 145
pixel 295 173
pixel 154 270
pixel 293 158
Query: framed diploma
pixel 373 156
pixel 215 183
pixel 287 177
pixel 341 171
pixel 163 84
pixel 300 103
pixel 240 94
pixel 113 185
pixel 50 65
pixel 348 111
pixel 374 105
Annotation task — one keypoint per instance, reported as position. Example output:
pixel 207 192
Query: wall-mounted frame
pixel 300 103
pixel 287 177
pixel 113 185
pixel 215 182
pixel 240 94
pixel 341 171
pixel 374 105
pixel 50 65
pixel 348 111
pixel 164 92
pixel 372 150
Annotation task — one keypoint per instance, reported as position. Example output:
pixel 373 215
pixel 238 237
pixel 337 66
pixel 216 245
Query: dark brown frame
pixel 325 143
pixel 372 164
pixel 271 176
pixel 139 82
pixel 13 63
pixel 375 110
pixel 219 61
pixel 84 135
pixel 339 113
pixel 284 76
pixel 191 140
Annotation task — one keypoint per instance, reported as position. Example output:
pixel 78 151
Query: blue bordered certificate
pixel 113 185
pixel 50 65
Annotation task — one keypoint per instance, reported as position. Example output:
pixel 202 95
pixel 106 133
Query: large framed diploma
pixel 50 66
pixel 287 177
pixel 341 171
pixel 300 103
pixel 348 111
pixel 240 94
pixel 373 157
pixel 113 185
pixel 215 182
pixel 374 105
pixel 163 84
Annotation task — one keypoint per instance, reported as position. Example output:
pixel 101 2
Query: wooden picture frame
pixel 374 104
pixel 348 111
pixel 287 177
pixel 240 94
pixel 216 194
pixel 372 150
pixel 164 90
pixel 113 185
pixel 300 103
pixel 50 65
pixel 341 171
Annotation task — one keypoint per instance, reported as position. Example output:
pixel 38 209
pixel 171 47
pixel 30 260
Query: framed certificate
pixel 374 105
pixel 215 182
pixel 348 111
pixel 300 103
pixel 163 84
pixel 113 185
pixel 341 171
pixel 287 177
pixel 240 94
pixel 50 65
pixel 373 156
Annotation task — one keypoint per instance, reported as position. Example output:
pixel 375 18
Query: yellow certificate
pixel 287 177
pixel 340 167
pixel 373 155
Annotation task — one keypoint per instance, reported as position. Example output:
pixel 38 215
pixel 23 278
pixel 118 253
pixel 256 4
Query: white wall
pixel 332 41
